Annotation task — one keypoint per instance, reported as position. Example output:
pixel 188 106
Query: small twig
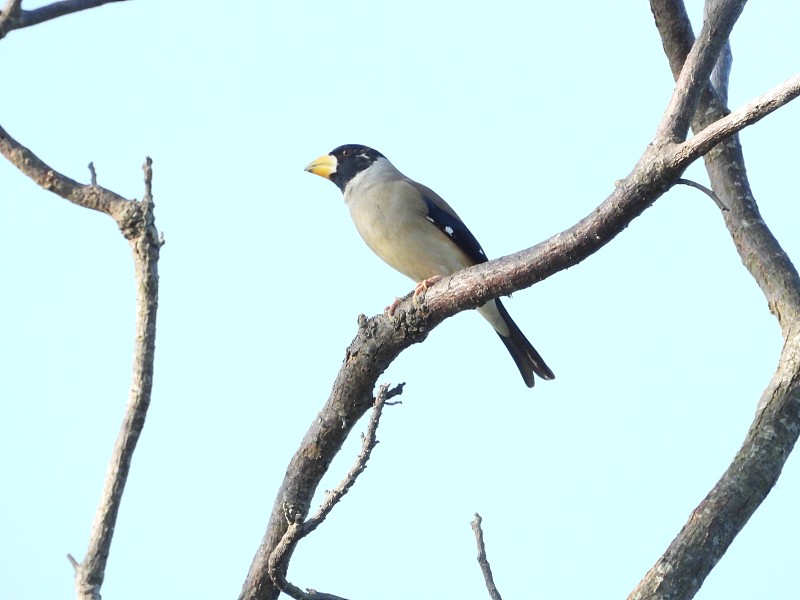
pixel 482 560
pixel 368 442
pixel 92 174
pixel 297 529
pixel 395 391
pixel 707 191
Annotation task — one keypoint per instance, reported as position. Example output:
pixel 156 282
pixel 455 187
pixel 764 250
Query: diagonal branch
pixel 15 18
pixel 380 340
pixel 297 529
pixel 713 525
pixel 697 68
pixel 127 214
pixel 755 110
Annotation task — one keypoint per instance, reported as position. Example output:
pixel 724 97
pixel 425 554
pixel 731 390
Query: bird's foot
pixel 423 286
pixel 389 310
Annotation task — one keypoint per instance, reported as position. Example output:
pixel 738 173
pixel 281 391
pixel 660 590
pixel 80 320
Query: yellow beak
pixel 324 166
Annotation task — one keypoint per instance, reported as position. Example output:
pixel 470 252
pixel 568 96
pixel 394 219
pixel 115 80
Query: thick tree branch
pixel 380 339
pixel 13 17
pixel 697 68
pixel 714 524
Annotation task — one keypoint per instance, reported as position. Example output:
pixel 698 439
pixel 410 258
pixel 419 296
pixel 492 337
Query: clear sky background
pixel 521 115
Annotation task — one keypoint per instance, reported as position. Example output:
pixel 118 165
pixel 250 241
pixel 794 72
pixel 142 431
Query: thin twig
pixel 708 192
pixel 297 529
pixel 482 560
pixel 368 442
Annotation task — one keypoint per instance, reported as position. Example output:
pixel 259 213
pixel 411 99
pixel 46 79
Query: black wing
pixel 454 227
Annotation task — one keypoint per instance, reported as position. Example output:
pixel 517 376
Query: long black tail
pixel 528 360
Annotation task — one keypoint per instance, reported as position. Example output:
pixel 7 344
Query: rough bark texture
pixel 136 221
pixel 380 340
pixel 679 573
pixel 714 524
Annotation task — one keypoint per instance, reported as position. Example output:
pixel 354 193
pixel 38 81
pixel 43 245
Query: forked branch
pixel 136 220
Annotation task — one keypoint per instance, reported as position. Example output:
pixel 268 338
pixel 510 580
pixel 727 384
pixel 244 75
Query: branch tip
pixel 488 578
pixel 707 191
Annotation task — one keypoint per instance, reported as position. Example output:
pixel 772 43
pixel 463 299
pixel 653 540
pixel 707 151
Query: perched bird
pixel 415 231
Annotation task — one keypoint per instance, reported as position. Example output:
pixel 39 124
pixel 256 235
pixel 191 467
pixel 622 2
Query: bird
pixel 413 230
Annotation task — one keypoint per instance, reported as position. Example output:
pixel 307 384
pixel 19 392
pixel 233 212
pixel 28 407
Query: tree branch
pixel 494 594
pixel 697 68
pixel 750 113
pixel 14 18
pixel 380 339
pixel 717 520
pixel 146 246
pixel 279 559
pixel 136 221
pixel 704 189
pixel 127 214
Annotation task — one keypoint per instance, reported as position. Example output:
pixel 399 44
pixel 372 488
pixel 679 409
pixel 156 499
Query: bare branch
pixel 722 70
pixel 126 213
pixel 717 520
pixel 297 530
pixel 750 113
pixel 91 571
pixel 705 190
pixel 14 18
pixel 380 339
pixel 368 442
pixel 482 560
pixel 697 68
pixel 278 571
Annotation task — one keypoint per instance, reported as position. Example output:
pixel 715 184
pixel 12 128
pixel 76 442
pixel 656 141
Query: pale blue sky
pixel 521 117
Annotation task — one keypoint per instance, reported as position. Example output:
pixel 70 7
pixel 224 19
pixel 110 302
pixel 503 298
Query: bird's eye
pixel 346 152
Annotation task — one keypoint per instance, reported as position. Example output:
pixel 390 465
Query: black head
pixel 351 159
